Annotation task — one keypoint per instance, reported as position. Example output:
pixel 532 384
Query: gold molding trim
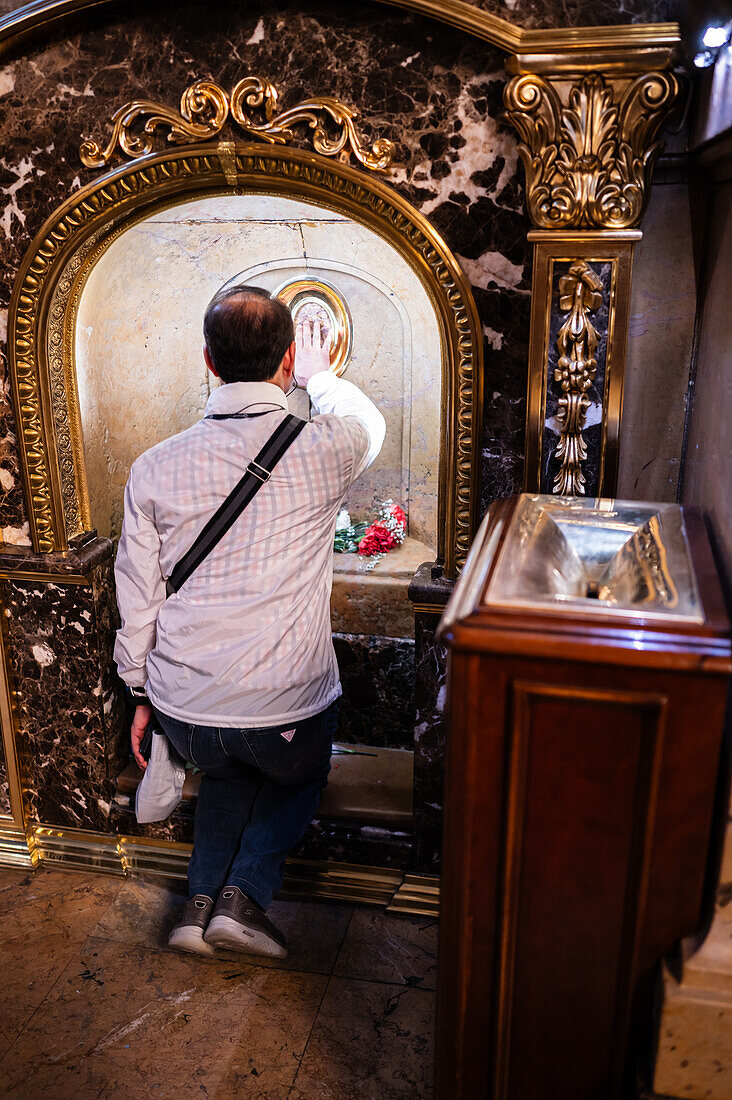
pixel 107 853
pixel 47 15
pixel 45 398
pixel 418 896
pixel 205 107
pixel 15 851
pixel 227 156
pixel 580 293
pixel 588 147
pixel 30 576
pixel 428 608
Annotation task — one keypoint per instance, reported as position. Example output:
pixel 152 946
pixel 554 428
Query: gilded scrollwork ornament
pixel 580 293
pixel 205 107
pixel 588 161
pixel 252 93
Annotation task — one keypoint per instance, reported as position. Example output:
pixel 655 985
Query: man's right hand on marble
pixel 312 351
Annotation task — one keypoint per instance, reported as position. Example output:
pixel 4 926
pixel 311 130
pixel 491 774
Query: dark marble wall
pixel 550 13
pixel 429 744
pixel 430 688
pixel 377 676
pixel 582 13
pixel 435 91
pixel 72 740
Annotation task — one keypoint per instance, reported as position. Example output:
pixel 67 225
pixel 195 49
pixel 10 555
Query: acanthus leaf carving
pixel 588 163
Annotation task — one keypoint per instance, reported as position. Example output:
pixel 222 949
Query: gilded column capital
pixel 588 144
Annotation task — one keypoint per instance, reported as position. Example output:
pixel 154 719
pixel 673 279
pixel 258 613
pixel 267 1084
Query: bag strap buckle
pixel 258 471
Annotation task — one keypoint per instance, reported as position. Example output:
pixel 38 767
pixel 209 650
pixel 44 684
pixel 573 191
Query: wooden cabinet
pixel 583 750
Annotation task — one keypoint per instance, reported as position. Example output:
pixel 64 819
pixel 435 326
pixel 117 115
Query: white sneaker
pixel 239 924
pixel 187 935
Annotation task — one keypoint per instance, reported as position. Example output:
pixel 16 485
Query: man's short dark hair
pixel 247 333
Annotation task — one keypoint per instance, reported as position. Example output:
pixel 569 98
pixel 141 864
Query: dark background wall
pixel 707 472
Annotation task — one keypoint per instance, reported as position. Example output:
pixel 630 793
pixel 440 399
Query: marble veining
pixel 72 738
pixel 546 13
pixel 429 744
pixel 93 1000
pixel 581 13
pixel 377 675
pixel 434 90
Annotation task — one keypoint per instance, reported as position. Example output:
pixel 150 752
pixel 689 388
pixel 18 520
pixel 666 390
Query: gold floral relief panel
pixel 575 384
pixel 579 325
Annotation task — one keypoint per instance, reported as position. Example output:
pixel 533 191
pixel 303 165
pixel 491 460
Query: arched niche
pixel 44 308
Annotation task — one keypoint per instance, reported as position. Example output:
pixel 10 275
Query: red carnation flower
pixel 377 540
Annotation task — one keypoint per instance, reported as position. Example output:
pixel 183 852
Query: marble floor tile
pixel 383 947
pixel 29 973
pixel 44 916
pixel 314 932
pixel 370 1042
pixel 62 904
pixel 5 1042
pixel 139 1023
pixel 12 879
pixel 144 912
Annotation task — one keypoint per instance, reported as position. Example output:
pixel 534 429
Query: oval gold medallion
pixel 313 300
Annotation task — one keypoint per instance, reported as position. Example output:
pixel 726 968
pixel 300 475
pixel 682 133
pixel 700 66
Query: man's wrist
pixel 139 697
pixel 320 379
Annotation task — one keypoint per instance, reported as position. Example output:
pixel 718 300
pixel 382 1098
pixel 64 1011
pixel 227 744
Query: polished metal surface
pixel 313 300
pixel 583 556
pixel 106 853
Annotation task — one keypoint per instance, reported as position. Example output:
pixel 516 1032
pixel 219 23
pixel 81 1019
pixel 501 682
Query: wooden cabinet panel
pixel 594 756
pixel 581 766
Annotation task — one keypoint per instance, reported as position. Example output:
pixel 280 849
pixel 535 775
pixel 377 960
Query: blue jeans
pixel 259 792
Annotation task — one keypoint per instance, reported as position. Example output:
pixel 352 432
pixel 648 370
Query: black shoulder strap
pixel 255 475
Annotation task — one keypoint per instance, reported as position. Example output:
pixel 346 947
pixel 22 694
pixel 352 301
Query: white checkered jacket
pixel 246 642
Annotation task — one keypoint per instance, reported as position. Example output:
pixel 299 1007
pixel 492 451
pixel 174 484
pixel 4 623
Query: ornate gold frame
pixel 656 40
pixel 43 309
